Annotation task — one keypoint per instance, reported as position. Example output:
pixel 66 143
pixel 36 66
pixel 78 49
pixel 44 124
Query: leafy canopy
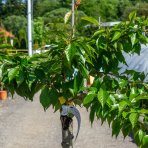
pixel 119 99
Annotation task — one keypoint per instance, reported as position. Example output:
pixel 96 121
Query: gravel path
pixel 24 124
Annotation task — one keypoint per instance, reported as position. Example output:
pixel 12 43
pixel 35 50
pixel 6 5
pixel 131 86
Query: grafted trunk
pixel 67 132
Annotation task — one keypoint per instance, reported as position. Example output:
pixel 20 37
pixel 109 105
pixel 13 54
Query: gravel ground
pixel 24 124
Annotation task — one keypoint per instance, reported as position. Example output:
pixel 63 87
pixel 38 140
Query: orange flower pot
pixel 3 94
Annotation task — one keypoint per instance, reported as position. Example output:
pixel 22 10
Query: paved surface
pixel 24 124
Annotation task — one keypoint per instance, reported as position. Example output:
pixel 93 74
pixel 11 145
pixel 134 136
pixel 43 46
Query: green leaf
pixel 120 96
pixel 20 77
pixel 145 140
pixel 96 83
pixel 112 98
pixel 124 114
pixel 141 134
pixel 116 36
pixel 70 52
pixel 106 59
pixel 122 105
pixel 121 57
pixel 101 44
pixel 143 39
pixel 126 129
pixel 13 73
pixel 123 83
pixel 127 46
pixel 133 38
pixel 45 98
pixel 144 111
pixel 102 96
pixel 104 113
pixel 114 83
pixel 57 106
pixel 133 93
pixel 93 89
pixel 75 86
pixel 36 87
pixel 98 112
pixel 54 67
pixel 141 97
pixel 132 16
pixel 84 71
pixel 142 76
pixel 89 98
pixel 78 84
pixel 23 90
pixel 116 126
pixel 136 49
pixel 53 96
pixel 109 102
pixel 115 106
pixel 120 46
pixel 91 20
pixel 39 74
pixel 92 112
pixel 98 32
pixel 72 92
pixel 133 119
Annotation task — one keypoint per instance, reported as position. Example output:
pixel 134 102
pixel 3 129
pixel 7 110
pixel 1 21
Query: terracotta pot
pixel 3 94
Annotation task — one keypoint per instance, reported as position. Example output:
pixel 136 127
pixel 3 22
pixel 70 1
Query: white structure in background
pixel 44 49
pixel 137 62
pixel 29 28
pixel 110 24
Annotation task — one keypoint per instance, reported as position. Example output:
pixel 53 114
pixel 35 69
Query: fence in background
pixel 15 51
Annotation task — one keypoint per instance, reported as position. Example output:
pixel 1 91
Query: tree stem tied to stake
pixel 67 122
pixel 67 112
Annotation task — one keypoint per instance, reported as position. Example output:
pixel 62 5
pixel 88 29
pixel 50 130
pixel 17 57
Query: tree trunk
pixel 67 132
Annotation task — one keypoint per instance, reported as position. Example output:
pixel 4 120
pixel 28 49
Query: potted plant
pixel 3 92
